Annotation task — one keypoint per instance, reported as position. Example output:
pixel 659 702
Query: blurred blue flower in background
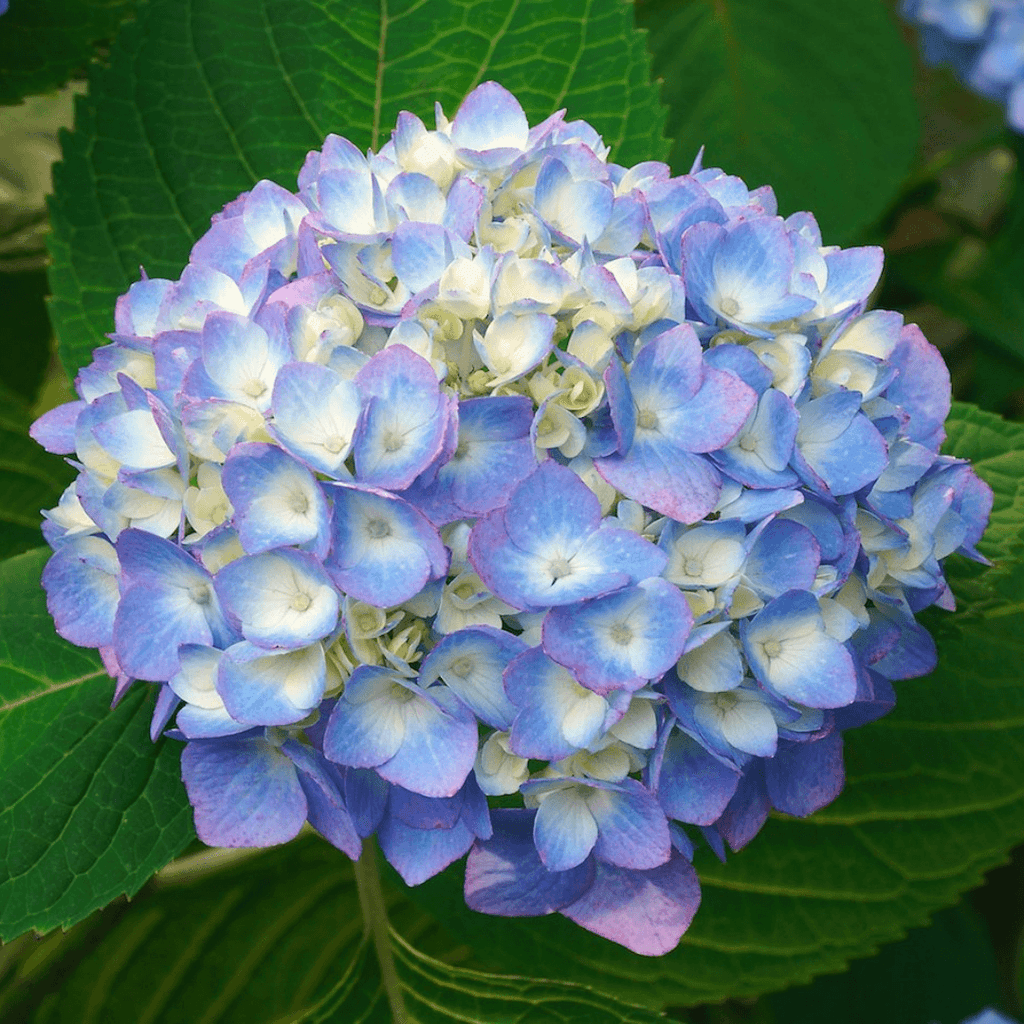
pixel 982 41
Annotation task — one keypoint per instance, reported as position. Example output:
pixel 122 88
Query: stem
pixel 375 923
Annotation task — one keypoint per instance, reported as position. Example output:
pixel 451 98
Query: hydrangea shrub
pixel 492 498
pixel 982 41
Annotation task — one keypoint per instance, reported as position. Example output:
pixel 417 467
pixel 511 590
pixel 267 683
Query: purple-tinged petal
pixel 665 478
pixel 506 877
pixel 418 854
pixel 81 583
pixel 326 811
pixel 55 430
pixel 645 911
pixel 922 389
pixel 245 792
pixel 167 702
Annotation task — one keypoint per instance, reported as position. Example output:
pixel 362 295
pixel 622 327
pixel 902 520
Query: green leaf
pixel 437 993
pixel 946 972
pixel 90 808
pixel 30 479
pixel 812 97
pixel 934 797
pixel 200 102
pixel 246 937
pixel 26 332
pixel 43 43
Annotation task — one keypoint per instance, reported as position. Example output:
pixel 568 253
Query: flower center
pixel 729 306
pixel 378 528
pixel 393 441
pixel 254 388
pixel 772 649
pixel 299 503
pixel 461 667
pixel 334 444
pixel 621 634
pixel 647 419
pixel 693 567
pixel 559 567
pixel 301 602
pixel 200 593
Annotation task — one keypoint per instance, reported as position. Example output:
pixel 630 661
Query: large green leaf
pixel 273 936
pixel 934 797
pixel 945 972
pixel 437 993
pixel 30 479
pixel 44 42
pixel 203 99
pixel 812 97
pixel 89 807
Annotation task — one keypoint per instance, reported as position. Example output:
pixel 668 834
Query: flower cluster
pixel 484 467
pixel 982 40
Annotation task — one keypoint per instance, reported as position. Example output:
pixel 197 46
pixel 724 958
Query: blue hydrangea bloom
pixel 481 466
pixel 982 41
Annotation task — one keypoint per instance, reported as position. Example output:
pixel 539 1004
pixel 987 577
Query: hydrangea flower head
pixel 983 42
pixel 481 466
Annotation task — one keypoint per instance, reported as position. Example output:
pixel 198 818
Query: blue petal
pixel 471 662
pixel 418 854
pixel 384 550
pixel 326 811
pixel 438 748
pixel 564 830
pixel 280 598
pixel 271 687
pixel 803 777
pixel 277 501
pixel 692 785
pixel 622 640
pixel 367 726
pixel 245 792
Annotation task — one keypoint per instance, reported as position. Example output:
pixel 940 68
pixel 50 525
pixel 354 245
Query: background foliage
pixel 190 102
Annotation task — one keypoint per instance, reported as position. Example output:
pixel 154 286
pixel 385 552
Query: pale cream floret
pixel 206 504
pixel 336 321
pixel 498 770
